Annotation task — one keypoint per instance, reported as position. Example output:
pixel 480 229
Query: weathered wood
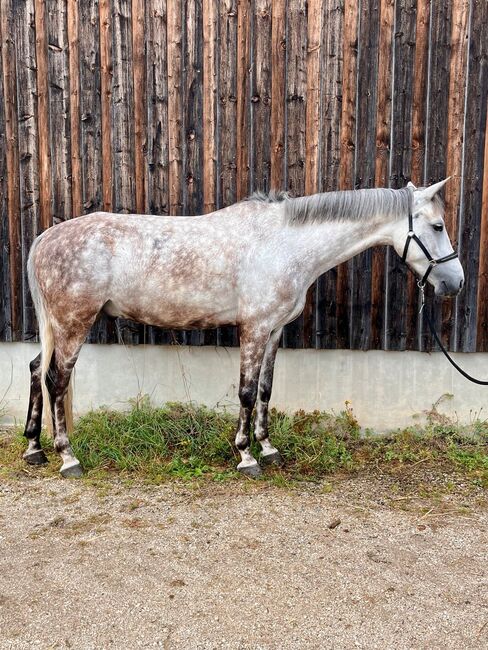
pixel 261 96
pixel 243 97
pixel 175 65
pixel 210 88
pixel 348 146
pixel 471 215
pixel 44 164
pixel 364 164
pixel 123 173
pixel 106 101
pixel 331 106
pixel 455 126
pixel 227 114
pixel 138 69
pixel 25 41
pixel 312 135
pixel 74 104
pixel 59 110
pixel 482 302
pixel 5 311
pixel 400 165
pixel 419 108
pixel 278 80
pixel 14 246
pixel 379 278
pixel 296 91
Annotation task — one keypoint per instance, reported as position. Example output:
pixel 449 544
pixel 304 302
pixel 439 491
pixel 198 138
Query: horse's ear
pixel 428 193
pixel 411 186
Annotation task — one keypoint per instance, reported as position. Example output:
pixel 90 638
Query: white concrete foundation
pixel 386 389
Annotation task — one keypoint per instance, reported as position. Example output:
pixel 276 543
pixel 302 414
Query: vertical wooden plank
pixel 243 98
pixel 193 126
pixel 400 164
pixel 227 193
pixel 278 81
pixel 379 280
pixel 348 145
pixel 174 59
pixel 44 168
pixel 470 218
pixel 364 164
pixel 5 311
pixel 74 103
pixel 106 101
pixel 193 105
pixel 123 173
pixel 436 128
pixel 210 87
pixel 139 85
pixel 157 108
pixel 330 143
pixel 482 302
pixel 59 113
pixel 227 119
pixel 312 135
pixel 261 95
pixel 94 108
pixel 419 109
pixel 455 123
pixel 296 90
pixel 14 246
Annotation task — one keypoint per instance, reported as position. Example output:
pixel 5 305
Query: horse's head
pixel 424 244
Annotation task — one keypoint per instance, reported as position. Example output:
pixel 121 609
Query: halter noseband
pixel 432 262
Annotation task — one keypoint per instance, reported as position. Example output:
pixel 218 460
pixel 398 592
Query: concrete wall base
pixel 386 389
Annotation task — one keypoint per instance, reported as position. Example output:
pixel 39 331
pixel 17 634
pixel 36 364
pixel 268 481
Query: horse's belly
pixel 174 316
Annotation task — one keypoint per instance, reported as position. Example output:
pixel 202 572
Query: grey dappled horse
pixel 248 265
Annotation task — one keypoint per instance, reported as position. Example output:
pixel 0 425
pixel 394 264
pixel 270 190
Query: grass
pixel 190 442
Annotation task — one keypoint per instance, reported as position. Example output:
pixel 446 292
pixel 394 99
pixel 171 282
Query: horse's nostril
pixel 461 285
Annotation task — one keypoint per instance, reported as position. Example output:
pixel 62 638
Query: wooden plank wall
pixel 171 107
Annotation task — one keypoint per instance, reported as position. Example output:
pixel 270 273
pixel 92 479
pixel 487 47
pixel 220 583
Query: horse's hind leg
pixel 34 453
pixel 66 351
pixel 269 454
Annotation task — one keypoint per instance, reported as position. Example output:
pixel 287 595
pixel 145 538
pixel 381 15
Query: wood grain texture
pixel 14 247
pixel 175 108
pixel 139 85
pixel 106 102
pixel 379 278
pixel 243 97
pixel 261 96
pixel 482 302
pixel 59 110
pixel 278 68
pixel 74 107
pixel 5 311
pixel 330 153
pixel 210 89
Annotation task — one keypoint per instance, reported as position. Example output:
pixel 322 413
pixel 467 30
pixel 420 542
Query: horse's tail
pixel 46 336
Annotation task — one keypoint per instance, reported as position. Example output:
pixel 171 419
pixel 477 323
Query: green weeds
pixel 189 442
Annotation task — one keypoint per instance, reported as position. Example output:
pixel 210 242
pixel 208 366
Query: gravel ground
pixel 240 566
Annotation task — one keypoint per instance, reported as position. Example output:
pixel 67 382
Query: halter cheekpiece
pixel 432 262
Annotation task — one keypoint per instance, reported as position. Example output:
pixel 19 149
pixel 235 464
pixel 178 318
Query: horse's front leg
pixel 268 454
pixel 253 344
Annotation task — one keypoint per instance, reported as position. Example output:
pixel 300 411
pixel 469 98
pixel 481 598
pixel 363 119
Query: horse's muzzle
pixel 448 289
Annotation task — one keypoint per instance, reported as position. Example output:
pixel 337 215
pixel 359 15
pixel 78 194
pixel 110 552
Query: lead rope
pixel 438 340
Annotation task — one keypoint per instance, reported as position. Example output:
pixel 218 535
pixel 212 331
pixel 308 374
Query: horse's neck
pixel 325 245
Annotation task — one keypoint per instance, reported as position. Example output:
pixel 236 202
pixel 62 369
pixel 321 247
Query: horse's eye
pixel 438 227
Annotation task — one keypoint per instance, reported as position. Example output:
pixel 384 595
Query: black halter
pixel 432 262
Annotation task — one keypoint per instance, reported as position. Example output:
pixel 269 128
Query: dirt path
pixel 239 567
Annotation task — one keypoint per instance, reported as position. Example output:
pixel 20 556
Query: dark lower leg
pixel 32 432
pixel 264 394
pixel 57 384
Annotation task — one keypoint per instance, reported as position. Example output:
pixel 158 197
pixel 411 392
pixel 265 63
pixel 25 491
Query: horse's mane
pixel 348 205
